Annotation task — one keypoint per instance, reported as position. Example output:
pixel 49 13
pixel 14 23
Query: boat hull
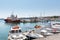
pixel 10 21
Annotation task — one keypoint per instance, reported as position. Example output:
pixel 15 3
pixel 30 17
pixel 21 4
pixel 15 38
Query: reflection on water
pixel 5 27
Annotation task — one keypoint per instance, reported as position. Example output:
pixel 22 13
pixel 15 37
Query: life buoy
pixel 37 26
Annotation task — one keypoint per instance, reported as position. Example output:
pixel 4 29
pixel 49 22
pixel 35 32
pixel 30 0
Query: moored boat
pixel 16 34
pixel 33 35
pixel 12 19
pixel 55 25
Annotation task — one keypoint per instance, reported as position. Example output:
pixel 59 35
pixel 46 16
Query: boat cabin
pixel 15 29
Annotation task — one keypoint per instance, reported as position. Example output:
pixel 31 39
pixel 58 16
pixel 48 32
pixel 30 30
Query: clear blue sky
pixel 29 8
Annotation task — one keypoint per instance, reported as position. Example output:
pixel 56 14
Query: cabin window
pixel 19 30
pixel 12 31
pixel 56 24
pixel 16 31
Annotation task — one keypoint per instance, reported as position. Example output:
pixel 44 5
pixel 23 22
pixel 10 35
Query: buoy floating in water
pixel 37 26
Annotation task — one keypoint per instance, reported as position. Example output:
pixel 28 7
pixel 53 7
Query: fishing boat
pixel 16 34
pixel 12 19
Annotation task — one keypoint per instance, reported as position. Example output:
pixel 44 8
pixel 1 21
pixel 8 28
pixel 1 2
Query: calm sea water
pixel 5 27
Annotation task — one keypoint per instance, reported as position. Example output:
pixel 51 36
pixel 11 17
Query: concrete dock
pixel 52 37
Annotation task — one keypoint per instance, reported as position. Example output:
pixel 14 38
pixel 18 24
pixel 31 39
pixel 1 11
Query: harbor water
pixel 5 27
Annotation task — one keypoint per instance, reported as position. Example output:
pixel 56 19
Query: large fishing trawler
pixel 12 19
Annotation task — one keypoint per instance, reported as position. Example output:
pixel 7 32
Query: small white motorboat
pixel 16 34
pixel 45 33
pixel 33 35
